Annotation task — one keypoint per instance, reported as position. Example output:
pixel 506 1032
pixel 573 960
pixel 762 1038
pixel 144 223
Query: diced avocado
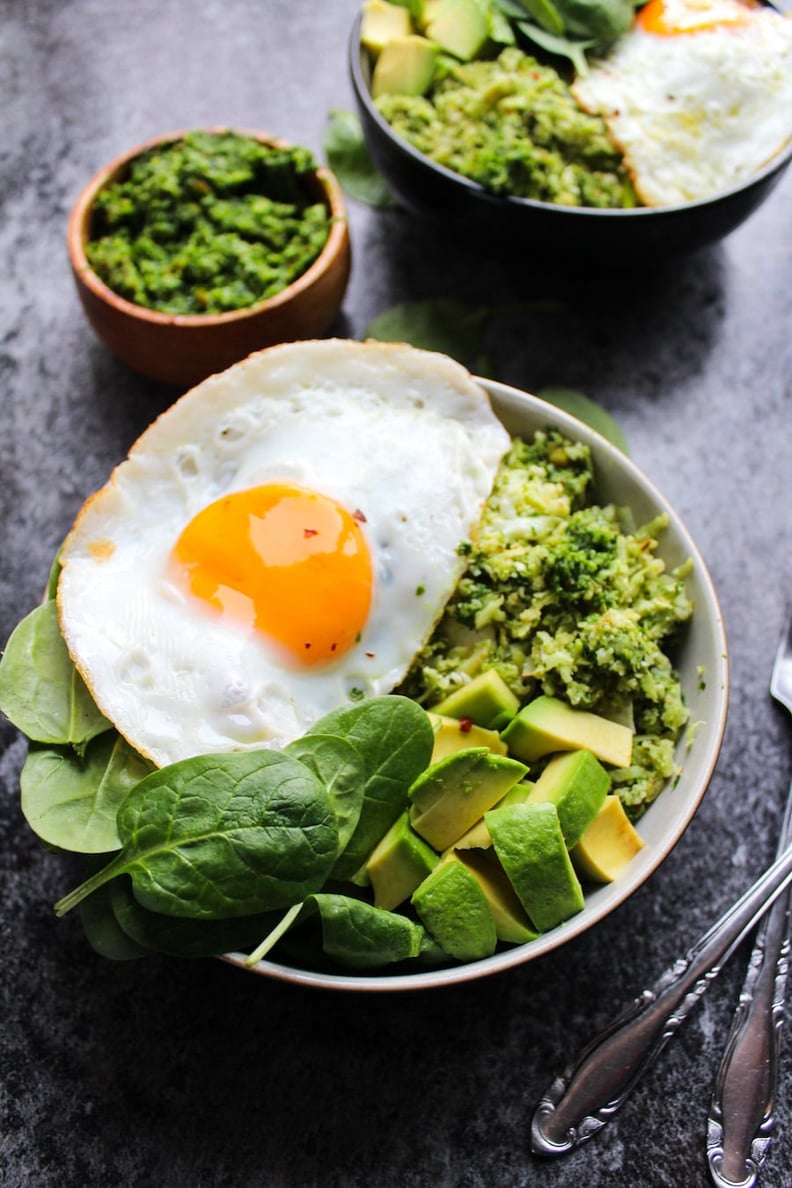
pixel 426 11
pixel 607 845
pixel 381 22
pixel 454 910
pixel 405 67
pixel 452 735
pixel 527 839
pixel 398 864
pixel 460 27
pixel 577 784
pixel 547 724
pixel 486 700
pixel 451 795
pixel 478 836
pixel 511 923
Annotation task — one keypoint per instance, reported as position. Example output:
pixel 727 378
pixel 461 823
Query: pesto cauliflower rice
pixel 569 599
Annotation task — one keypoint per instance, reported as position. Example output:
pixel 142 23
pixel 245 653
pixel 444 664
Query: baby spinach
pixel 348 157
pixel 358 935
pixel 441 324
pixel 451 327
pixel 569 28
pixel 153 932
pixel 593 415
pixel 395 738
pixel 457 329
pixel 562 47
pixel 41 691
pixel 338 765
pixel 222 835
pixel 54 574
pixel 71 800
pixel 103 932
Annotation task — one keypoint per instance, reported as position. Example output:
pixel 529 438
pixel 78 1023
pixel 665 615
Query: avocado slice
pixel 380 22
pixel 511 923
pixel 486 700
pixel 460 27
pixel 454 910
pixel 530 845
pixel 451 795
pixel 577 784
pixel 398 864
pixel 405 66
pixel 608 844
pixel 451 734
pixel 547 724
pixel 478 836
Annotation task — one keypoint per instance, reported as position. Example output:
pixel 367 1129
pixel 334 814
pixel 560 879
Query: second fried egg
pixel 697 95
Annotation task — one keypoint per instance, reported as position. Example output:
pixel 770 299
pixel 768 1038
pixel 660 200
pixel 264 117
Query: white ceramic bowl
pixel 703 650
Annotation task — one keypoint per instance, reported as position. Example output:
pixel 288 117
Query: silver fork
pixel 594 1086
pixel 740 1123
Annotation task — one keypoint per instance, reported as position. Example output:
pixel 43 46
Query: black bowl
pixel 462 208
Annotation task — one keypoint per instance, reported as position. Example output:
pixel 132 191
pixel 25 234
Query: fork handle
pixel 594 1086
pixel 740 1122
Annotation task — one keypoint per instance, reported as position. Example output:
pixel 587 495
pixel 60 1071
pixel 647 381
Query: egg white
pixel 402 435
pixel 695 113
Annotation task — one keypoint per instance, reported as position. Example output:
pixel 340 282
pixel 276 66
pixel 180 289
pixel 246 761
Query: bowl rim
pixel 478 192
pixel 79 218
pixel 616 893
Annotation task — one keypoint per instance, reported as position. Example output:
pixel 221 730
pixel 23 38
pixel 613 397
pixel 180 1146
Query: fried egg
pixel 697 95
pixel 280 541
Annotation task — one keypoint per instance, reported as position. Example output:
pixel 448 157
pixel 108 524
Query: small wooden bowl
pixel 183 349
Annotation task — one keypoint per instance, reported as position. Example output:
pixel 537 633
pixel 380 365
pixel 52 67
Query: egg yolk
pixel 284 561
pixel 672 17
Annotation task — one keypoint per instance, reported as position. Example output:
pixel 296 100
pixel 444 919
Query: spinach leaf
pixel 444 325
pixel 586 410
pixel 456 329
pixel 103 932
pixel 395 738
pixel 71 800
pixel 602 21
pixel 176 937
pixel 546 14
pixel 54 574
pixel 41 691
pixel 451 327
pixel 338 765
pixel 358 935
pixel 563 47
pixel 345 149
pixel 222 835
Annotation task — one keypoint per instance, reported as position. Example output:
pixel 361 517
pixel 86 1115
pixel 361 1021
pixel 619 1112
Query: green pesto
pixel 562 597
pixel 512 125
pixel 207 224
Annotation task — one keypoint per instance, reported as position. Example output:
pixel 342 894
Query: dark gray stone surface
pixel 173 1074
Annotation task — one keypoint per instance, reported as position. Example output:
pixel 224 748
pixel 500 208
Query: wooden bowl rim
pixel 77 234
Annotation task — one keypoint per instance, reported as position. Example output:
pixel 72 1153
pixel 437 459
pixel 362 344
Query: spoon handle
pixel 594 1086
pixel 740 1122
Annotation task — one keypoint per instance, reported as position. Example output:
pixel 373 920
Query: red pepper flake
pixel 370 654
pixel 333 647
pixel 465 725
pixel 357 514
pixel 310 532
pixel 307 646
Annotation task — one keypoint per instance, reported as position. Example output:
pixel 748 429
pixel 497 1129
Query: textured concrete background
pixel 172 1073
